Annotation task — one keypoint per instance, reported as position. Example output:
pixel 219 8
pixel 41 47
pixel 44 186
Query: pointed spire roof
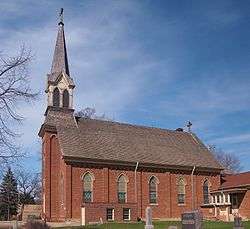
pixel 60 59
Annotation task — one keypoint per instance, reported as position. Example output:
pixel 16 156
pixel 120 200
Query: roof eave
pixel 46 128
pixel 74 159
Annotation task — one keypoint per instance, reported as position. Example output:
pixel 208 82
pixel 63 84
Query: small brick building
pixel 232 197
pixel 95 169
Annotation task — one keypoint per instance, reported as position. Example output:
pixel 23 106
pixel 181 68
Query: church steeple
pixel 59 83
pixel 60 59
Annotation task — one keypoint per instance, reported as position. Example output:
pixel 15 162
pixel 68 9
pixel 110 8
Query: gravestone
pixel 238 223
pixel 149 224
pixel 191 220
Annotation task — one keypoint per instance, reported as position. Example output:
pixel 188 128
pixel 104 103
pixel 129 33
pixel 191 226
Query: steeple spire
pixel 60 85
pixel 60 59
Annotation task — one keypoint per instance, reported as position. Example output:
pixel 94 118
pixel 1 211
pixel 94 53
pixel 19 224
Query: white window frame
pixel 129 215
pixel 113 214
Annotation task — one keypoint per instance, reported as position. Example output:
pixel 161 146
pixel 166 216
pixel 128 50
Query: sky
pixel 154 63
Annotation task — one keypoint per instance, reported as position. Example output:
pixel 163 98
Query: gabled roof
pixel 54 78
pixel 236 180
pixel 89 139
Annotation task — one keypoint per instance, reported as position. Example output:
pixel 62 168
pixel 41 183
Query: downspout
pixel 136 167
pixel 192 183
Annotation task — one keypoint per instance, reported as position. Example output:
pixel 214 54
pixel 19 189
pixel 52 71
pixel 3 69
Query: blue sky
pixel 151 62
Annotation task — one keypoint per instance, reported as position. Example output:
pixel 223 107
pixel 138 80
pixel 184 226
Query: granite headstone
pixel 149 224
pixel 191 220
pixel 238 223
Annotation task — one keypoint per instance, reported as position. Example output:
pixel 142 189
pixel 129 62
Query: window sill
pixel 181 205
pixel 207 205
pixel 215 204
pixel 153 204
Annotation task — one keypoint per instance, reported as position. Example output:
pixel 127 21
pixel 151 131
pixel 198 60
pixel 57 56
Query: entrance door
pixel 235 204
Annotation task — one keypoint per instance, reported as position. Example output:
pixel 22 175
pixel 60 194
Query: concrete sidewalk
pixel 64 224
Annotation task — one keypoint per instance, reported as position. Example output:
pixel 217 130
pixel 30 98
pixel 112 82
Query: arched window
pixel 56 97
pixel 87 188
pixel 206 192
pixel 153 190
pixel 181 191
pixel 65 98
pixel 122 189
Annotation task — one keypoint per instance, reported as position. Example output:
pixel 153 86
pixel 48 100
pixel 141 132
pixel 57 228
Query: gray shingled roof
pixel 60 59
pixel 105 140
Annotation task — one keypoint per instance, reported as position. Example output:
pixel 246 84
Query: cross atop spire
pixel 60 59
pixel 61 17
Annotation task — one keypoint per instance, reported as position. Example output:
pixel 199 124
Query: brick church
pixel 101 170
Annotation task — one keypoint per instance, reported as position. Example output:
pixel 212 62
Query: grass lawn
pixel 159 225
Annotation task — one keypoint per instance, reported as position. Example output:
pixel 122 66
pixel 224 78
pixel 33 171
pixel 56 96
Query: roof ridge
pixel 134 125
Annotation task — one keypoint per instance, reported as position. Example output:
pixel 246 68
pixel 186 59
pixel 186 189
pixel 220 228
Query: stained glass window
pixel 87 188
pixel 206 192
pixel 153 190
pixel 181 191
pixel 122 189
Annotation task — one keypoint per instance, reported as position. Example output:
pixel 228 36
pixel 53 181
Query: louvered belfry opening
pixel 65 98
pixel 56 97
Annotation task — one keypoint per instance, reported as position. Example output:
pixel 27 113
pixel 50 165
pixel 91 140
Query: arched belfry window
pixel 65 98
pixel 87 188
pixel 181 190
pixel 56 97
pixel 153 182
pixel 122 189
pixel 206 192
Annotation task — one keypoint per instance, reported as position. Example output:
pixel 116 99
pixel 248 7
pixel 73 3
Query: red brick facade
pixel 244 208
pixel 63 189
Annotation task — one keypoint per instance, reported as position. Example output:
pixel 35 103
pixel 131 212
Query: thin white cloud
pixel 241 138
pixel 109 69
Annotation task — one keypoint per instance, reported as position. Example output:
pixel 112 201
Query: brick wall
pixel 244 209
pixel 95 211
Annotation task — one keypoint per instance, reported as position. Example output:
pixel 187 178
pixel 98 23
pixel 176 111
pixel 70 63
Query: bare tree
pixel 14 90
pixel 87 112
pixel 90 113
pixel 29 187
pixel 229 161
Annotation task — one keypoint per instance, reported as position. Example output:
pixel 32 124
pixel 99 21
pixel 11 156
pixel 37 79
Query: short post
pixel 149 224
pixel 83 215
pixel 15 224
